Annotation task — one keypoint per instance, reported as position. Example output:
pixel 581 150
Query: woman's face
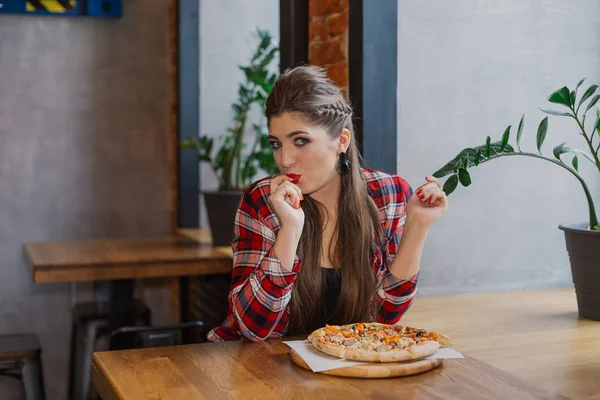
pixel 306 150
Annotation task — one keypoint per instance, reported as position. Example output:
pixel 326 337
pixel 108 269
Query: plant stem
pixel 226 181
pixel 238 151
pixel 249 159
pixel 221 177
pixel 240 139
pixel 590 200
pixel 235 153
pixel 587 139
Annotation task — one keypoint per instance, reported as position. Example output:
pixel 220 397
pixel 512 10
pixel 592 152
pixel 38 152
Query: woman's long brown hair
pixel 308 92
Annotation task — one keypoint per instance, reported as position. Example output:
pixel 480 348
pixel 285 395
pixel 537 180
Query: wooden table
pixel 120 261
pixel 108 259
pixel 533 335
pixel 244 370
pixel 536 335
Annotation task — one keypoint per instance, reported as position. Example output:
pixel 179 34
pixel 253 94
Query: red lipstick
pixel 295 178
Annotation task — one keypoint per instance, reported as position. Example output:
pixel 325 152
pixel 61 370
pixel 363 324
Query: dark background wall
pixel 83 154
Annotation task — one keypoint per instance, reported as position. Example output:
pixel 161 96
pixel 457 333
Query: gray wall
pixel 83 118
pixel 469 68
pixel 226 41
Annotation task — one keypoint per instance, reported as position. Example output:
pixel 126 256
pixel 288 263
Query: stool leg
pixel 33 379
pixel 78 347
pixel 72 361
pixel 88 348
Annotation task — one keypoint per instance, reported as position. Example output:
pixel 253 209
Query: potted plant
pixel 234 165
pixel 582 239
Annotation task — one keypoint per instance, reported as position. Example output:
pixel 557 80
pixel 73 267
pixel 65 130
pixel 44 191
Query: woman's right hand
pixel 285 199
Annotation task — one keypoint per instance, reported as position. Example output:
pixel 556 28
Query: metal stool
pixel 91 321
pixel 23 353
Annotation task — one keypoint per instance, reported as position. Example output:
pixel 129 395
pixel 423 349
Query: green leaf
pixel 465 157
pixel 597 228
pixel 450 184
pixel 507 149
pixel 576 163
pixel 465 162
pixel 266 87
pixel 472 157
pixel 445 170
pixel 560 114
pixel 468 153
pixel 269 57
pixel 520 132
pixel 579 84
pixel 572 97
pixel 561 96
pixel 488 147
pixel 243 91
pixel 560 149
pixel 464 177
pixel 272 79
pixel 248 71
pixel 541 134
pixel 221 158
pixel 265 39
pixel 505 138
pixel 588 93
pixel 583 154
pixel 237 109
pixel 593 102
pixel 265 42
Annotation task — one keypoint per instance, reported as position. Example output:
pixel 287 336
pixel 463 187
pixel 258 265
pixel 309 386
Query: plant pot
pixel 583 246
pixel 221 208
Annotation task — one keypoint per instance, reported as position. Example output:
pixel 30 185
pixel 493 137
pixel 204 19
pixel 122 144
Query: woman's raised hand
pixel 285 199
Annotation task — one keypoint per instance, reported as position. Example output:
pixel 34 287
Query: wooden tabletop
pixel 533 335
pixel 125 258
pixel 244 370
pixel 536 335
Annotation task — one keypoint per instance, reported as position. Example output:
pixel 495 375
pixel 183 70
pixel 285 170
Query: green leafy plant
pixel 234 167
pixel 475 156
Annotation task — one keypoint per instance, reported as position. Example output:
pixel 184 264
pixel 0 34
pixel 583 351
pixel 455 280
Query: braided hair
pixel 308 91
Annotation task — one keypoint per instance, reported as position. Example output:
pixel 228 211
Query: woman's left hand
pixel 428 203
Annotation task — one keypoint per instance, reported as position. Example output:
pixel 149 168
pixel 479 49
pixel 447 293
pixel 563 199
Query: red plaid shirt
pixel 261 288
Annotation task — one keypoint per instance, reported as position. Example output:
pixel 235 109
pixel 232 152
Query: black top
pixel 332 283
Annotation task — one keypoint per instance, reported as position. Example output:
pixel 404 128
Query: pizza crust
pixel 421 350
pixel 329 348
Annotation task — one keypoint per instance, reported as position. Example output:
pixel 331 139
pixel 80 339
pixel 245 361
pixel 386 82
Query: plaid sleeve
pixel 261 287
pixel 393 296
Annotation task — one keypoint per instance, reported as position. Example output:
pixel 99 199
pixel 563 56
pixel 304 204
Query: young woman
pixel 324 241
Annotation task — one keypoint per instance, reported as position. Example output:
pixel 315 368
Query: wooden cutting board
pixel 372 370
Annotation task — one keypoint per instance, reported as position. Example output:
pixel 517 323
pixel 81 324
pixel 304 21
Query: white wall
pixel 226 41
pixel 469 68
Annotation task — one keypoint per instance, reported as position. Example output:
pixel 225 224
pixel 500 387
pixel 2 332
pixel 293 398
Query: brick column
pixel 328 38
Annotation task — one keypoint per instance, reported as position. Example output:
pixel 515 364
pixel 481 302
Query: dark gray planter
pixel 583 246
pixel 221 208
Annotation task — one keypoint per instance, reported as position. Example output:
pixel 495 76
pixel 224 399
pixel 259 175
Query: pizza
pixel 375 342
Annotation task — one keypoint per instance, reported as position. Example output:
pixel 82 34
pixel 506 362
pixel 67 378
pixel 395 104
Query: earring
pixel 343 164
